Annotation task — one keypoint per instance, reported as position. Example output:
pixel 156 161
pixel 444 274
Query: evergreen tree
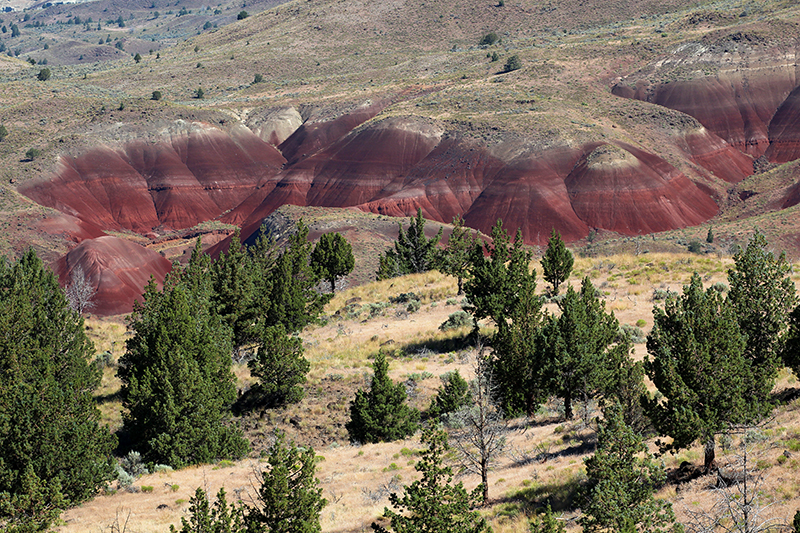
pixel 233 290
pixel 451 396
pixel 289 499
pixel 205 518
pixel 578 347
pixel 557 261
pixel 381 414
pixel 500 277
pixel 620 483
pixel 699 366
pixel 791 349
pixel 332 258
pixel 177 383
pixel 434 504
pixel 547 523
pixel 413 252
pixel 53 451
pixel 294 302
pixel 280 367
pixel 454 259
pixel 761 296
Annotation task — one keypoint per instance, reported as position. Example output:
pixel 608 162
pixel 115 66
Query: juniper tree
pixel 577 347
pixel 451 396
pixel 557 261
pixel 621 481
pixel 54 451
pixel 293 300
pixel 332 258
pixel 454 258
pixel 177 383
pixel 761 296
pixel 279 366
pixel 233 291
pixel 502 287
pixel 381 414
pixel 207 518
pixel 289 498
pixel 434 504
pixel 413 252
pixel 699 366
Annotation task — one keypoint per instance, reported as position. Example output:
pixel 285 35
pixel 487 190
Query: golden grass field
pixel 356 480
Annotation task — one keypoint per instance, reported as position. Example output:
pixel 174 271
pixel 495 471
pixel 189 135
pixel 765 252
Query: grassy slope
pixel 355 479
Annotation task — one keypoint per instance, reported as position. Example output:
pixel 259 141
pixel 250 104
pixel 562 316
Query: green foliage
pixel 512 63
pixel 621 480
pixel 796 522
pixel 54 451
pixel 451 396
pixel 177 383
pixel 710 236
pixel 489 39
pixel 412 253
pixel 242 15
pixel 332 258
pixel 3 133
pixel 258 78
pixel 381 414
pixel 137 57
pixel 15 31
pixel 548 523
pixel 199 93
pixel 557 261
pixel 434 503
pixel 761 296
pixel 280 367
pixel 233 289
pixel 289 499
pixel 699 366
pixel 32 153
pixel 205 518
pixel 294 301
pixel 695 247
pixel 156 95
pixel 454 258
pixel 457 320
pixel 579 346
pixel 502 287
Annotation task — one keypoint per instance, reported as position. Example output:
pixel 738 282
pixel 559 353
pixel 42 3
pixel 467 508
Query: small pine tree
pixel 454 258
pixel 557 261
pixel 137 57
pixel 199 93
pixel 620 483
pixel 452 395
pixel 280 367
pixel 3 133
pixel 412 253
pixel 332 258
pixel 242 15
pixel 513 63
pixel 710 236
pixel 289 499
pixel 547 523
pixel 381 414
pixel 205 518
pixel 156 95
pixel 434 503
pixel 699 366
pixel 258 78
pixel 44 74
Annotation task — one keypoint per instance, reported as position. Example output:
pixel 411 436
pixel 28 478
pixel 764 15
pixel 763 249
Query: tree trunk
pixel 333 284
pixel 568 405
pixel 485 480
pixel 460 290
pixel 710 462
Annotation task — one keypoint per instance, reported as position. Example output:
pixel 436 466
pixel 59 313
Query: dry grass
pixel 356 479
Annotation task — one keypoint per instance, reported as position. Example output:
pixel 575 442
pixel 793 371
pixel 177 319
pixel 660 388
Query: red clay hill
pixel 240 174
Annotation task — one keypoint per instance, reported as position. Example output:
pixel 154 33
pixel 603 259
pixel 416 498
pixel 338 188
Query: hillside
pixel 543 462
